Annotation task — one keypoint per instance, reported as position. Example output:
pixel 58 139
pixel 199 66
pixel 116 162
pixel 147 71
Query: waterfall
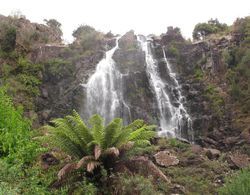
pixel 104 90
pixel 174 120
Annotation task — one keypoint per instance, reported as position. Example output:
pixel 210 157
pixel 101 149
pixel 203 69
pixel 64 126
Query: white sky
pixel 120 16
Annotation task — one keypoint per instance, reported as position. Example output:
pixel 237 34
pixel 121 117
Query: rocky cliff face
pixel 200 68
pixel 65 69
pixel 130 60
pixel 202 72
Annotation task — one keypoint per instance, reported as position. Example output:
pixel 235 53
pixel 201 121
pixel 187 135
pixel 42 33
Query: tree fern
pixel 95 143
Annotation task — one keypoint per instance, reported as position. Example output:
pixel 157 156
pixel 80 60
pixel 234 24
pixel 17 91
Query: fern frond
pixel 135 125
pixel 142 133
pixel 97 127
pixel 68 168
pixel 110 132
pixel 122 137
pixel 92 165
pixel 84 161
pixel 142 143
pixel 66 144
pixel 82 128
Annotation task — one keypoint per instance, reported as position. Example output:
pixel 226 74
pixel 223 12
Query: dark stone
pixel 48 160
pixel 212 153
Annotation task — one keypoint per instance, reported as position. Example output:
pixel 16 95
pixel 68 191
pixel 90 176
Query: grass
pixel 238 184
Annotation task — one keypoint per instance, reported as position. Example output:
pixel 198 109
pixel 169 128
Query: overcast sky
pixel 119 16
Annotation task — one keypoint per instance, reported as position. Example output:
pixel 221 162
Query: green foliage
pixel 55 25
pixel 173 51
pixel 8 40
pixel 88 37
pixel 19 173
pixel 134 184
pixel 59 68
pixel 227 57
pixel 217 102
pixel 85 188
pixel 198 74
pixel 23 79
pixel 173 142
pixel 14 129
pixel 77 139
pixel 238 77
pixel 202 30
pixel 238 184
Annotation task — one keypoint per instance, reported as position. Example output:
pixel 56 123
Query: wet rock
pixel 44 93
pixel 230 141
pixel 45 114
pixel 166 159
pixel 210 141
pixel 212 153
pixel 196 149
pixel 238 160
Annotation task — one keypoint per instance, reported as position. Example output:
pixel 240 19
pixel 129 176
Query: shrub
pixel 88 37
pixel 8 41
pixel 198 74
pixel 202 30
pixel 238 184
pixel 59 68
pixel 173 51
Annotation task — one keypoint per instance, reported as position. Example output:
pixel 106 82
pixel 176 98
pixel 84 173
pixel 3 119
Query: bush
pixel 8 41
pixel 238 184
pixel 202 30
pixel 173 51
pixel 14 132
pixel 88 37
pixel 198 74
pixel 59 68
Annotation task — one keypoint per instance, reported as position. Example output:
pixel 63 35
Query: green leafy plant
pixel 96 144
pixel 202 30
pixel 238 184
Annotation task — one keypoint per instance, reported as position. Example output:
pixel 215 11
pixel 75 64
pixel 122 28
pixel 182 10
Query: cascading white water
pixel 172 118
pixel 181 115
pixel 104 90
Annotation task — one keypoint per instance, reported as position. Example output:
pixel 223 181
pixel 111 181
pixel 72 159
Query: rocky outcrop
pixel 66 68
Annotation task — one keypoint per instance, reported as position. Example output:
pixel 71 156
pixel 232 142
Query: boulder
pixel 196 149
pixel 166 159
pixel 245 135
pixel 212 153
pixel 238 160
